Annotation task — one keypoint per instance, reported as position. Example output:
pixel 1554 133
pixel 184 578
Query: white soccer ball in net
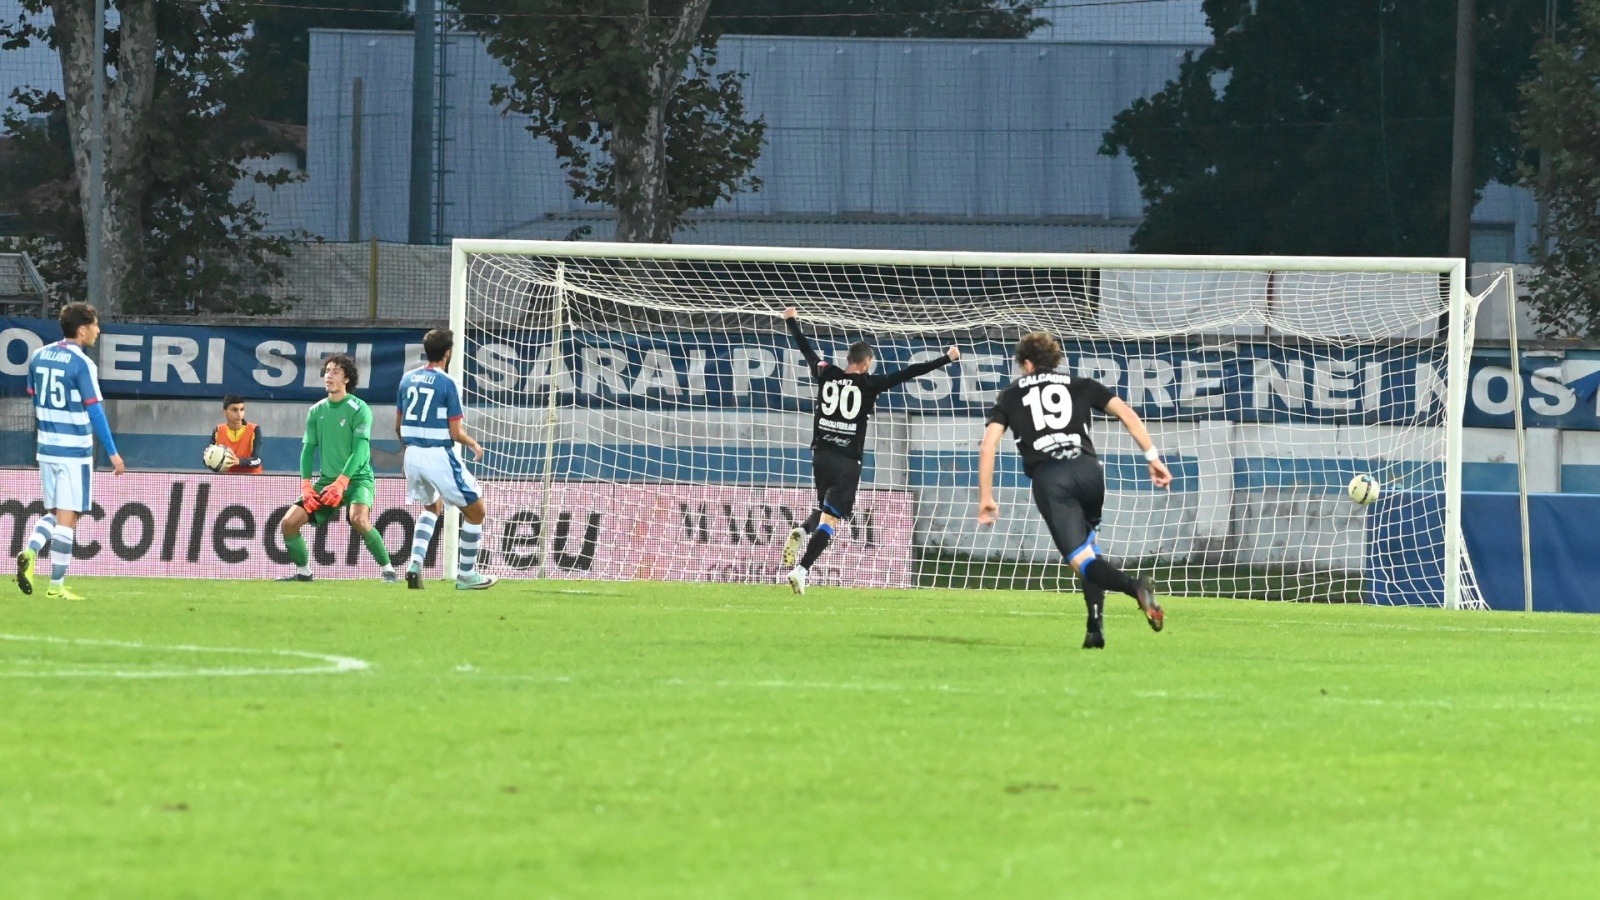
pixel 215 457
pixel 1364 489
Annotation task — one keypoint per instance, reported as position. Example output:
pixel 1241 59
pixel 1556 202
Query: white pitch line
pixel 834 611
pixel 333 663
pixel 821 685
pixel 1389 626
pixel 1302 704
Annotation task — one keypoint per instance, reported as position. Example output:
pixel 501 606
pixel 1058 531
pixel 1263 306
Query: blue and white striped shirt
pixel 429 401
pixel 64 384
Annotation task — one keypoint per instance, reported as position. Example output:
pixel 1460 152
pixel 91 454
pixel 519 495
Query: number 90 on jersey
pixel 842 399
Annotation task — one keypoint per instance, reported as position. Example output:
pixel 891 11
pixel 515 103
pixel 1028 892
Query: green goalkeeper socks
pixel 374 542
pixel 298 554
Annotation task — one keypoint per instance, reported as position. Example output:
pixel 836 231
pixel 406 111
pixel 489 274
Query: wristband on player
pixel 1152 454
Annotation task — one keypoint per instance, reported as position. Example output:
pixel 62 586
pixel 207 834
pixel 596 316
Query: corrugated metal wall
pixel 916 143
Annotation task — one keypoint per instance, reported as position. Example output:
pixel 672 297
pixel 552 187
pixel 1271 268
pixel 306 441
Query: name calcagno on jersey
pixel 1049 414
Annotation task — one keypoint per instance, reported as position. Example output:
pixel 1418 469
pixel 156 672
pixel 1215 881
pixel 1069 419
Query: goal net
pixel 647 416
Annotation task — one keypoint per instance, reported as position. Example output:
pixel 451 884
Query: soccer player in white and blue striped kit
pixel 65 386
pixel 428 419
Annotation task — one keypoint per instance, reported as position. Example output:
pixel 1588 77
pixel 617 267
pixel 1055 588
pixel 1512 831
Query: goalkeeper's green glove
pixel 309 501
pixel 333 494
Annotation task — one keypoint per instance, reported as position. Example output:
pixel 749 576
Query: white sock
pixel 470 535
pixel 42 533
pixel 421 536
pixel 61 553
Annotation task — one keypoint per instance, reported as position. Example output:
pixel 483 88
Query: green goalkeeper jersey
pixel 342 433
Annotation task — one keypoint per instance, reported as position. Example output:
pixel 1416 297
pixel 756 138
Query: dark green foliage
pixel 1321 127
pixel 878 18
pixel 276 67
pixel 629 100
pixel 1563 118
pixel 203 250
pixel 37 192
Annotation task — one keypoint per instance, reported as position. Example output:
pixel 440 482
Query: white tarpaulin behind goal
pixel 652 396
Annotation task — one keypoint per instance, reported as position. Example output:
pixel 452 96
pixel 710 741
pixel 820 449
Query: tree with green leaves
pixel 178 130
pixel 1561 116
pixel 878 18
pixel 1321 127
pixel 627 92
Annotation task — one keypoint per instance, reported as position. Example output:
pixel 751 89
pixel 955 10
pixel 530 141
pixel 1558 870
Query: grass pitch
pixel 228 739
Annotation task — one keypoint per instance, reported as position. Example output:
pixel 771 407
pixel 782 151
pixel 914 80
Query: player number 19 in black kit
pixel 1050 417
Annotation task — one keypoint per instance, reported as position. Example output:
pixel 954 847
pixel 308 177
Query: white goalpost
pixel 647 417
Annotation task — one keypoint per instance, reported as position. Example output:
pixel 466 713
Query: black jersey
pixel 845 400
pixel 1048 413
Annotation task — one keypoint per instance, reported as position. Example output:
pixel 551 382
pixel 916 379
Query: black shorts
pixel 1070 494
pixel 837 477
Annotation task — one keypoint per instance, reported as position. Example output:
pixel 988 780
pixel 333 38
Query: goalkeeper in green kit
pixel 340 430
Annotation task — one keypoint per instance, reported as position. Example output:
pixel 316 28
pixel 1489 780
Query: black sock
pixel 1094 599
pixel 819 543
pixel 811 522
pixel 1109 577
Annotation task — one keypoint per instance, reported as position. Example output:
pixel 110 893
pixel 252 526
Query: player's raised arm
pixel 988 509
pixel 1160 476
pixel 915 370
pixel 790 317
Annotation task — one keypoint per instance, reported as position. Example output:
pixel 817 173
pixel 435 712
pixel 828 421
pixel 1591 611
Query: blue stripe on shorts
pixel 461 483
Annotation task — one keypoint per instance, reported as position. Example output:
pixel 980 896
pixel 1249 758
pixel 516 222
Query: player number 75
pixel 52 389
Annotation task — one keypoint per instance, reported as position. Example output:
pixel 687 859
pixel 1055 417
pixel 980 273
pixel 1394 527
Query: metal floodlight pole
pixel 1461 135
pixel 94 218
pixel 1522 442
pixel 420 221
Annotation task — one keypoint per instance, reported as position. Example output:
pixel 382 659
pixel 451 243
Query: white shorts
pixel 435 472
pixel 66 485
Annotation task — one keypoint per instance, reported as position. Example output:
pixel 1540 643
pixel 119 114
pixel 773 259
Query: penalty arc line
pixel 333 664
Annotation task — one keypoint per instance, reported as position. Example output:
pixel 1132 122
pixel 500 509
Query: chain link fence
pixel 375 281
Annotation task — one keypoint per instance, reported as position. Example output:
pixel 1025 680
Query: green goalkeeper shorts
pixel 360 491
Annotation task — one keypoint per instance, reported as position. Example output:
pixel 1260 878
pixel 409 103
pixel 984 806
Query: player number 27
pixel 841 397
pixel 412 395
pixel 1051 406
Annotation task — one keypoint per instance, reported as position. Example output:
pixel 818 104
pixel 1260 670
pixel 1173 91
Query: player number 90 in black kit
pixel 842 399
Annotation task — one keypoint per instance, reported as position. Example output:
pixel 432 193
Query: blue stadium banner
pixel 1173 381
pixel 187 361
pixel 1162 380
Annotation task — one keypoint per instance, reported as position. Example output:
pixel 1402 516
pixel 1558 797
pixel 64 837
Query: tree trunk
pixel 126 123
pixel 638 148
pixel 639 145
